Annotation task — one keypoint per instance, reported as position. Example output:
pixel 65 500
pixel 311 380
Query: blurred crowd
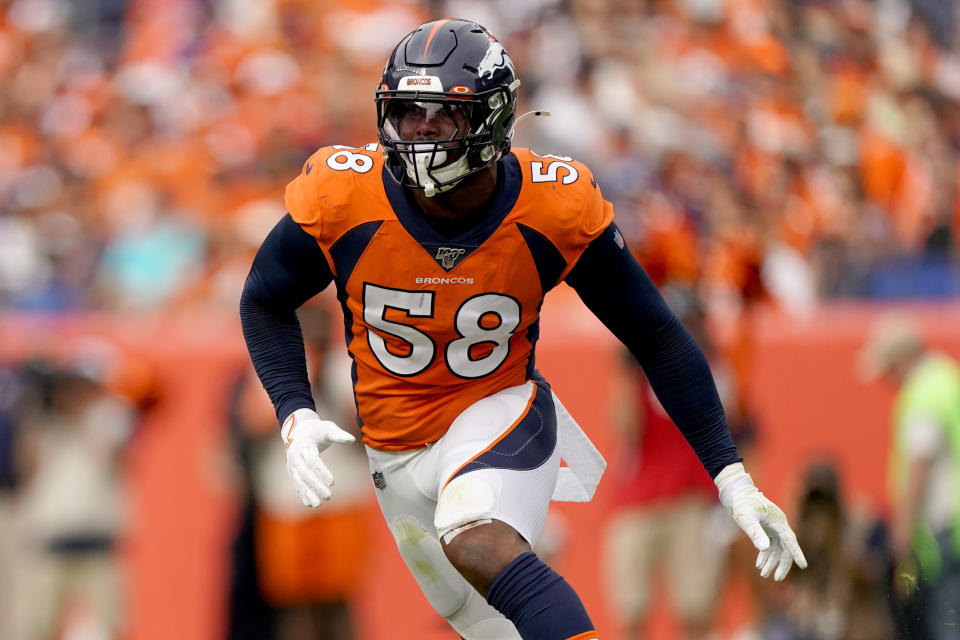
pixel 784 150
pixel 777 150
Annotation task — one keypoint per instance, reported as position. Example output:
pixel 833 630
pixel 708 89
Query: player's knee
pixel 466 499
pixel 476 545
pixel 481 552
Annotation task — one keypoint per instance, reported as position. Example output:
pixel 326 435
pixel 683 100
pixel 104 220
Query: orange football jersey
pixel 435 324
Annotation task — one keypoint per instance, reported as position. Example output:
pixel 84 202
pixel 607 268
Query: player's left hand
pixel 307 436
pixel 763 521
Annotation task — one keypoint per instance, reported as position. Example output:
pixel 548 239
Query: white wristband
pixel 732 480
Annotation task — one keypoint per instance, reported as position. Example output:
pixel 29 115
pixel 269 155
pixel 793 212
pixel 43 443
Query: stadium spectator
pixel 72 509
pixel 277 590
pixel 843 597
pixel 924 473
pixel 14 396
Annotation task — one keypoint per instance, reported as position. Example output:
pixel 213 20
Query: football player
pixel 442 241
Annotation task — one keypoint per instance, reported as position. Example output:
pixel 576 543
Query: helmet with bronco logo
pixel 446 104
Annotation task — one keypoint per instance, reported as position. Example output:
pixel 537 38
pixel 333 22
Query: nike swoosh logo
pixel 309 166
pixel 290 432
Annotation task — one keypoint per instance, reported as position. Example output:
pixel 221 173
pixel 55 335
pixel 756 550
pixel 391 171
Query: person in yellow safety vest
pixel 924 472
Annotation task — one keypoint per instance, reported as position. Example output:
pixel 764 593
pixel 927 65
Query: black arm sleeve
pixel 618 291
pixel 288 270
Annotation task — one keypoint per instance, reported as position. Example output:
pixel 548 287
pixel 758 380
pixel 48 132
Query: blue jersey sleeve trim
pixel 548 259
pixel 348 248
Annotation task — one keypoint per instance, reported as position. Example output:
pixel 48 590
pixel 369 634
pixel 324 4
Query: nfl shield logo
pixel 378 481
pixel 618 239
pixel 448 256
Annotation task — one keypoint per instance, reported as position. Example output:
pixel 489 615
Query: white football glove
pixel 763 521
pixel 306 436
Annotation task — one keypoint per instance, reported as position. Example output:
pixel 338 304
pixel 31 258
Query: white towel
pixel 578 480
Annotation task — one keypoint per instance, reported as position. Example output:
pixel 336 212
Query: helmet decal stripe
pixel 433 32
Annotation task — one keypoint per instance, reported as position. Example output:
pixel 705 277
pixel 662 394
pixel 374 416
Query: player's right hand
pixel 307 436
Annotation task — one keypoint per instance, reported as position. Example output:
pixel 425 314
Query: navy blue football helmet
pixel 452 71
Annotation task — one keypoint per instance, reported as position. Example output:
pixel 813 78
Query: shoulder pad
pixel 320 199
pixel 567 193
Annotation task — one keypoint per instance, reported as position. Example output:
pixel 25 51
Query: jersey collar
pixel 508 190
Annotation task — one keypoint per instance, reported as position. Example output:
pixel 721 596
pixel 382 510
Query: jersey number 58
pixel 472 322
